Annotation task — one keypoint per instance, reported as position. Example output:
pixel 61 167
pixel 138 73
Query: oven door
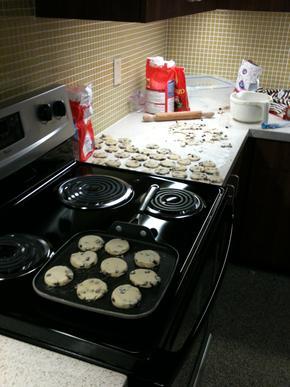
pixel 182 350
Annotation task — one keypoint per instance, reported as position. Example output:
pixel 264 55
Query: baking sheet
pixel 142 133
pixel 151 297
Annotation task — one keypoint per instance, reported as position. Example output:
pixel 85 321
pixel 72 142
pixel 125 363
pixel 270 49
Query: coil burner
pixel 95 192
pixel 175 203
pixel 21 254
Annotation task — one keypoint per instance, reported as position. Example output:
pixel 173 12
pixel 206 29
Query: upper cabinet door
pixel 256 5
pixel 165 9
pixel 121 10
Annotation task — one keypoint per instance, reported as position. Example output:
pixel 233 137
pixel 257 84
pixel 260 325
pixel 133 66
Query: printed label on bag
pixel 88 145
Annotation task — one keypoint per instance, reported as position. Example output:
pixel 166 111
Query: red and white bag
pixel 160 83
pixel 180 92
pixel 165 86
pixel 80 99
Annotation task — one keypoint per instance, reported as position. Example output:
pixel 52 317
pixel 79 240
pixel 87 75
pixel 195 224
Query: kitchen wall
pixel 36 52
pixel 216 42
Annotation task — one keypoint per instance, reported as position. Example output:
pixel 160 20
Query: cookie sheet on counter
pixel 212 143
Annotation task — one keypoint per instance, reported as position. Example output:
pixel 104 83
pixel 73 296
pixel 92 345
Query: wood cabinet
pixel 121 10
pixel 256 5
pixel 262 235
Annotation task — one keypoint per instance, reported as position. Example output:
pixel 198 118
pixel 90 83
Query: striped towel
pixel 280 101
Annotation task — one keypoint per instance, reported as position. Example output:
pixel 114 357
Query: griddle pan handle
pixel 151 192
pixel 149 195
pixel 132 230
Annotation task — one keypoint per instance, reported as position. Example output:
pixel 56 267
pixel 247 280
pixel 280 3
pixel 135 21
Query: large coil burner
pixel 21 254
pixel 175 203
pixel 95 192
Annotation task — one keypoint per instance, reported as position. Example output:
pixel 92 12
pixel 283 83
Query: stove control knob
pixel 59 109
pixel 44 112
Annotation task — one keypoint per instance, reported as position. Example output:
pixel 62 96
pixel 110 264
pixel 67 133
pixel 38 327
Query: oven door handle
pixel 212 296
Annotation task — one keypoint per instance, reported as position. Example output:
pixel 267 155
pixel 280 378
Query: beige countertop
pixel 143 133
pixel 22 364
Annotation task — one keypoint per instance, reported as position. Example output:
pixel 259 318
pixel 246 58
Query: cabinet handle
pixel 194 1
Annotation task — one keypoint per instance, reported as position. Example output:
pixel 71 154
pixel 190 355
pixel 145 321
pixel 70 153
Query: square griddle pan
pixel 139 238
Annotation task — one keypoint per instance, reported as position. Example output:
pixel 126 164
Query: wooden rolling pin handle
pixel 177 116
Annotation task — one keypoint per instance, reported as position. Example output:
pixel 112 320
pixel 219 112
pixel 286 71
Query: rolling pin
pixel 175 116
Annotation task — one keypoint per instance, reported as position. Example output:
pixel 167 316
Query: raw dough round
pixel 184 161
pixel 146 151
pixel 106 137
pixel 114 267
pixel 123 145
pixel 91 289
pixel 117 246
pixel 58 276
pixel 207 163
pixel 132 163
pixel 152 146
pixel 121 155
pixel 111 141
pixel 98 140
pixel 111 149
pixel 163 151
pixel 196 168
pixel 124 140
pixel 162 171
pixel 139 157
pixel 91 242
pixel 151 164
pixel 113 163
pixel 145 278
pixel 147 258
pixel 173 156
pixel 179 168
pixel 157 156
pixel 211 171
pixel 193 157
pixel 126 296
pixel 198 176
pixel 99 154
pixel 168 163
pixel 98 161
pixel 83 259
pixel 179 174
pixel 132 149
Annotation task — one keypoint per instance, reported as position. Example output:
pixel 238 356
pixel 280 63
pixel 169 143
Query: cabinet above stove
pixel 147 10
pixel 125 10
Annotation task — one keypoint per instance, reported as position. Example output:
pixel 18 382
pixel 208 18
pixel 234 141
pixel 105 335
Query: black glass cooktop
pixel 43 214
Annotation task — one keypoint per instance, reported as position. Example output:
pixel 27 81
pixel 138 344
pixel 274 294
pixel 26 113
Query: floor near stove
pixel 250 345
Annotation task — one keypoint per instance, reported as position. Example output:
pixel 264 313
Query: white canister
pixel 249 106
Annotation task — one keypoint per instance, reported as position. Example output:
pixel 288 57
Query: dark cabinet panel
pixel 256 5
pixel 124 10
pixel 263 227
pixel 165 9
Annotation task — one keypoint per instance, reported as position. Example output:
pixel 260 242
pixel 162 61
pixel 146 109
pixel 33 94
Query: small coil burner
pixel 95 192
pixel 21 254
pixel 175 203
